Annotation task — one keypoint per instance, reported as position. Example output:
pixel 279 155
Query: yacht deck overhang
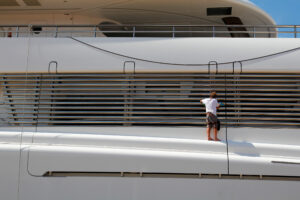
pixel 187 12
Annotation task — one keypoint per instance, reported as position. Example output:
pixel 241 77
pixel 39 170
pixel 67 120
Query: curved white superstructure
pixel 129 12
pixel 100 100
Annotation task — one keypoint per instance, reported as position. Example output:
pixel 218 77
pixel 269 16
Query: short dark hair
pixel 213 94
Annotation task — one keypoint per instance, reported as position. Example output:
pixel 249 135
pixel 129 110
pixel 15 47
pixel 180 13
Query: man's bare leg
pixel 216 134
pixel 208 134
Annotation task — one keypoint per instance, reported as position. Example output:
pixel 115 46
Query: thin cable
pixel 226 126
pixel 22 130
pixel 183 64
pixel 38 108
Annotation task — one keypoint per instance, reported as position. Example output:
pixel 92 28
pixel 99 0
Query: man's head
pixel 213 94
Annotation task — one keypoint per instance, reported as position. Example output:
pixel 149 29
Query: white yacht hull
pixel 112 163
pixel 137 163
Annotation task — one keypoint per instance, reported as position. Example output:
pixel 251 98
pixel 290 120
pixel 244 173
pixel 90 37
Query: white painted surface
pixel 148 149
pixel 52 146
pixel 9 165
pixel 10 49
pixel 105 159
pixel 155 188
pixel 125 141
pixel 169 150
pixel 76 57
pixel 124 153
pixel 189 133
pixel 9 137
pixel 252 152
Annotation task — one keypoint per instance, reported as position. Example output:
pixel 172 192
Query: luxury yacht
pixel 100 99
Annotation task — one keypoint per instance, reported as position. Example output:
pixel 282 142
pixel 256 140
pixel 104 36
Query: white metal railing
pixel 265 31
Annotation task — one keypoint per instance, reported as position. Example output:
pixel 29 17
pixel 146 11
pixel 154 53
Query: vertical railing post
pixel 30 30
pixel 95 31
pixel 214 31
pixel 269 31
pixel 17 31
pixel 133 31
pixel 254 32
pixel 173 31
pixel 295 31
pixel 56 31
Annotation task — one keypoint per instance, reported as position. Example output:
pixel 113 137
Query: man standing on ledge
pixel 211 105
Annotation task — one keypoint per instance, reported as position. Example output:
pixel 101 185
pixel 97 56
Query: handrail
pixel 233 66
pixel 124 66
pixel 265 31
pixel 49 66
pixel 213 63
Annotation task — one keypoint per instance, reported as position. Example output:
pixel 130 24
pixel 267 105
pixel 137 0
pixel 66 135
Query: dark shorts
pixel 211 120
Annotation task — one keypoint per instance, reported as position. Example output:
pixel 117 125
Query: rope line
pixel 226 126
pixel 182 64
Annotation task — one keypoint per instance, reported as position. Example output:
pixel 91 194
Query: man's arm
pixel 203 101
pixel 218 105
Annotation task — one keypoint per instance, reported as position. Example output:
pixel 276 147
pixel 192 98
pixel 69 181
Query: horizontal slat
pixel 128 98
pixel 82 75
pixel 153 89
pixel 151 103
pixel 151 122
pixel 150 80
pixel 279 120
pixel 150 108
pixel 161 84
pixel 86 112
pixel 220 94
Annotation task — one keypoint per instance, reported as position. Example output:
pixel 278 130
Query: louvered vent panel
pixel 255 100
pixel 32 2
pixel 8 3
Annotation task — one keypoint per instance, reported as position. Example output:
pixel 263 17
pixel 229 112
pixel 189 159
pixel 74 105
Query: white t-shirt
pixel 211 105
